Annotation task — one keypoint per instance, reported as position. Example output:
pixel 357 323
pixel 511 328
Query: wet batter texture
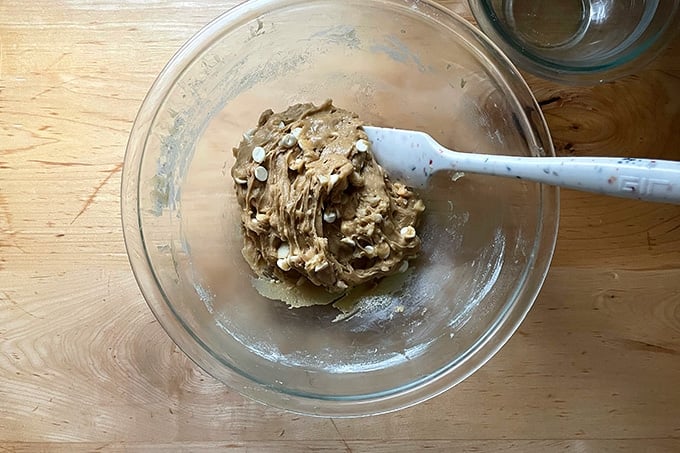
pixel 315 205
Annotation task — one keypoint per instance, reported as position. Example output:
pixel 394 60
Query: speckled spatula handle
pixel 642 179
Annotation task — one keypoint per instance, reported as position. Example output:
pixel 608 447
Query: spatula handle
pixel 642 179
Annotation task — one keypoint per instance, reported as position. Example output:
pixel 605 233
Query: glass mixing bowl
pixel 579 41
pixel 487 241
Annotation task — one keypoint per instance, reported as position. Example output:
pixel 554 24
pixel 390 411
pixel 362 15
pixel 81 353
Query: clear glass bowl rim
pixel 187 341
pixel 627 63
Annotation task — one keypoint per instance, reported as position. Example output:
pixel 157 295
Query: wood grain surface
pixel 84 366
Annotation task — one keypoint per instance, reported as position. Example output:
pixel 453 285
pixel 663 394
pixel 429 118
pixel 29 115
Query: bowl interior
pixel 486 241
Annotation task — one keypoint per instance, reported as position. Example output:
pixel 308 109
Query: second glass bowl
pixel 579 41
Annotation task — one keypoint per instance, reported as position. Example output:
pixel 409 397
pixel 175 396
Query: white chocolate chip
pixel 333 180
pixel 288 141
pixel 282 125
pixel 330 216
pixel 296 132
pixel 258 154
pixel 240 181
pixel 283 250
pixel 348 241
pixel 370 250
pixel 283 264
pixel 261 174
pixel 322 179
pixel 408 232
pixel 362 145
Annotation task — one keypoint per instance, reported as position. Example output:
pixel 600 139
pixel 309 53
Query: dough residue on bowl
pixel 316 207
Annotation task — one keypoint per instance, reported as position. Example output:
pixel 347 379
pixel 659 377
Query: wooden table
pixel 85 366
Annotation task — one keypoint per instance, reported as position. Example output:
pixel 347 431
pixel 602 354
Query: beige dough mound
pixel 316 206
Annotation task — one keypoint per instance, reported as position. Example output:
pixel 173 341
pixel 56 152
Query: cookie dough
pixel 315 205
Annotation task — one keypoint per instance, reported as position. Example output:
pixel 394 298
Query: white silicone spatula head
pixel 414 156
